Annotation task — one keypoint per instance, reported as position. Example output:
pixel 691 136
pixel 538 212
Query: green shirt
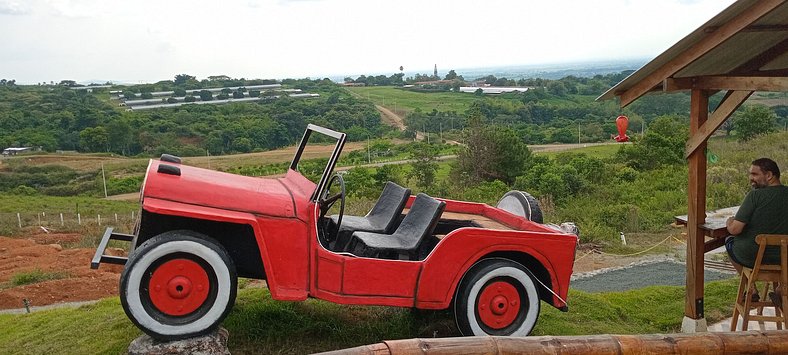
pixel 764 211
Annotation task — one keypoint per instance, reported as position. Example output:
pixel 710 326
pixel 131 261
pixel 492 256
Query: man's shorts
pixel 729 249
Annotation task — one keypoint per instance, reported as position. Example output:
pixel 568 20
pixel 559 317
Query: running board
pixel 100 257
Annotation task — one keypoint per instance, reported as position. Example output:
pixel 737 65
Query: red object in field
pixel 199 230
pixel 621 125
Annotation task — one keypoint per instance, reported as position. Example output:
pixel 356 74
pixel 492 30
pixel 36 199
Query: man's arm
pixel 735 227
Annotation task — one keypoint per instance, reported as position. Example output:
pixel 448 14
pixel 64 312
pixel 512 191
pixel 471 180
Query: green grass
pixel 261 325
pixel 36 276
pixel 407 101
pixel 55 204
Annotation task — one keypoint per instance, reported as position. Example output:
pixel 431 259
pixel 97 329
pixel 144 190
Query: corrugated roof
pixel 741 52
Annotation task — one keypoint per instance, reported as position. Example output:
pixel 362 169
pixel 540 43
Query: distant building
pixel 15 151
pixel 493 89
pixel 434 82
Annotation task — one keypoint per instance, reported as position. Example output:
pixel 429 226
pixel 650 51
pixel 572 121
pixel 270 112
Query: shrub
pixel 36 276
pixel 23 190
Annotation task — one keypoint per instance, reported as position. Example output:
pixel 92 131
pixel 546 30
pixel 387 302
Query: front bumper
pixel 100 257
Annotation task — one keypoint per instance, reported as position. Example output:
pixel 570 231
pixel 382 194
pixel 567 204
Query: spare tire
pixel 522 204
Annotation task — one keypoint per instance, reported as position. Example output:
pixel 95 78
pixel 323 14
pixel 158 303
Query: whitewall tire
pixel 178 285
pixel 496 297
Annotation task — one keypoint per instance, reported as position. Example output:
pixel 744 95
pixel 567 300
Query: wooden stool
pixel 777 275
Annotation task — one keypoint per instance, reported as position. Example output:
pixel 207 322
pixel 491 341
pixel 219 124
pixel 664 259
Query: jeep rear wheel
pixel 178 285
pixel 496 297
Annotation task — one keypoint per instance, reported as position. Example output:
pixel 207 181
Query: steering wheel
pixel 326 202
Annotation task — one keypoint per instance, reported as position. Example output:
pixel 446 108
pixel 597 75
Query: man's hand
pixel 734 227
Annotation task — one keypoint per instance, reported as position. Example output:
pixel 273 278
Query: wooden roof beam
pixel 712 40
pixel 753 28
pixel 750 83
pixel 729 104
pixel 757 62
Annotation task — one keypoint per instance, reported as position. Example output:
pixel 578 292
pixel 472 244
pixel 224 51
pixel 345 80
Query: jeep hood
pixel 210 188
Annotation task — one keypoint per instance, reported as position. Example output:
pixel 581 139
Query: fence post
pixel 61 219
pixel 39 219
pixel 79 219
pixel 19 219
pixel 99 219
pixel 116 218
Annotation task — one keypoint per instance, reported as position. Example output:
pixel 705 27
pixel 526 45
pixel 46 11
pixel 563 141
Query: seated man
pixel 763 211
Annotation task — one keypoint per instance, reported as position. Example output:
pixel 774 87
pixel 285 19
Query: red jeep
pixel 201 229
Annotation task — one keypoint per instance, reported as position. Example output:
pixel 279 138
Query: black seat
pixel 381 218
pixel 417 225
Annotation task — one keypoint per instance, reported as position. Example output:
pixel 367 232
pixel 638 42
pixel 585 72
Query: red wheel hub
pixel 178 287
pixel 498 305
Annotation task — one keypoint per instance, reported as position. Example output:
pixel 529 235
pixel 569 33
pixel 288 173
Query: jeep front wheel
pixel 496 297
pixel 178 285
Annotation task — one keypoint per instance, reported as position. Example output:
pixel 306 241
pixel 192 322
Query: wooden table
pixel 714 226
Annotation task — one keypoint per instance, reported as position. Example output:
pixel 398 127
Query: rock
pixel 57 247
pixel 209 344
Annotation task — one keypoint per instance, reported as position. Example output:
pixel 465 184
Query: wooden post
pixel 696 215
pixel 752 342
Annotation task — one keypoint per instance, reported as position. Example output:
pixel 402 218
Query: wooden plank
pixel 729 104
pixel 750 83
pixel 756 63
pixel 752 342
pixel 480 220
pixel 703 46
pixel 696 203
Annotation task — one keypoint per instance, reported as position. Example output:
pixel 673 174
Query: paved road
pixel 663 272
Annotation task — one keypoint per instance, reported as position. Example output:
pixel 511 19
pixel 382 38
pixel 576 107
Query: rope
pixel 584 255
pixel 642 251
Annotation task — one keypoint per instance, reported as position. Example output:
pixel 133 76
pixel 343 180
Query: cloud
pixel 165 47
pixel 76 8
pixel 10 7
pixel 288 2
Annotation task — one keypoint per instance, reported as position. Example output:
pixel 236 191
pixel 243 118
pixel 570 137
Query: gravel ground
pixel 664 272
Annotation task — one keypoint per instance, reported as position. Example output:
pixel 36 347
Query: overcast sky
pixel 151 40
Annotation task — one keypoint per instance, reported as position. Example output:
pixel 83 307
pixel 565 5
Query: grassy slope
pixel 407 101
pixel 261 325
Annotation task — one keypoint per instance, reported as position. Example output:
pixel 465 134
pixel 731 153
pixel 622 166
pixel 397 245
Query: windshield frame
pixel 332 161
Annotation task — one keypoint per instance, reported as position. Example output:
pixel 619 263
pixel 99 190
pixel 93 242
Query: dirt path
pixel 390 118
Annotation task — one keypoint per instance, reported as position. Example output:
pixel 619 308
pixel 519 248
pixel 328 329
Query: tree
pixel 754 121
pixel 663 144
pixel 206 95
pixel 451 75
pixel 189 98
pixel 178 92
pixel 491 153
pixel 94 139
pixel 556 88
pixel 181 79
pixel 424 165
pixel 119 136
